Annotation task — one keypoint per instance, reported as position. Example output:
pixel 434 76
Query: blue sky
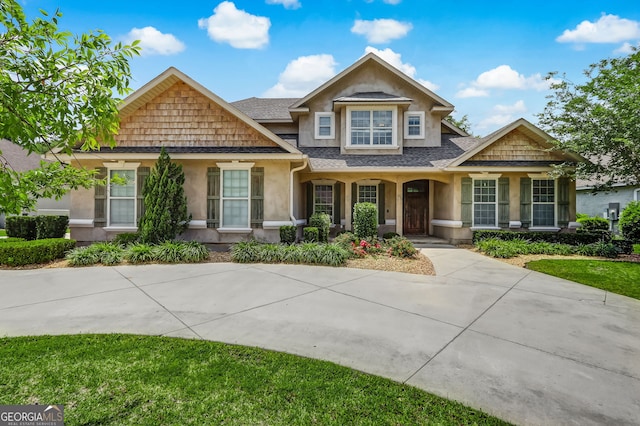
pixel 488 58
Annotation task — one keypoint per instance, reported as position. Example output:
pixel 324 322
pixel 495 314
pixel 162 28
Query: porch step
pixel 421 241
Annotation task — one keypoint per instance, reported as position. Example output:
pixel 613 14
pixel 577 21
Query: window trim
pixel 121 166
pixel 371 108
pixel 555 203
pixel 473 203
pixel 368 182
pixel 407 115
pixel 329 183
pixel 229 167
pixel 332 133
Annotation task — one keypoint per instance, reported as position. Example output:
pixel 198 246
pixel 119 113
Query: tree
pixel 165 205
pixel 462 124
pixel 56 93
pixel 599 119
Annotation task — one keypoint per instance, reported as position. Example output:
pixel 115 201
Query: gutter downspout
pixel 305 160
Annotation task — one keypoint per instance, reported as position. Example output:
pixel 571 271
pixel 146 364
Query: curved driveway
pixel 523 346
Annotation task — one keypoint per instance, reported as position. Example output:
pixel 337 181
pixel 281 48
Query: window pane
pixel 382 137
pixel 325 121
pixel 484 191
pixel 323 199
pixel 127 190
pixel 543 191
pixel 484 214
pixel 414 125
pixel 543 215
pixel 360 137
pixel 382 119
pixel 236 183
pixel 122 212
pixel 324 131
pixel 367 194
pixel 360 119
pixel 235 213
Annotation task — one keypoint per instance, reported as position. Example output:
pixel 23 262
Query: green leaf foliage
pixel 322 221
pixel 34 252
pixel 165 215
pixel 630 221
pixel 599 118
pixel 365 220
pixel 56 92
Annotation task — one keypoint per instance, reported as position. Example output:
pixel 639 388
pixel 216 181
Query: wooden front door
pixel 416 207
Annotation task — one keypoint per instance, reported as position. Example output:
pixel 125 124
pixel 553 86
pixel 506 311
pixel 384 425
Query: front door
pixel 416 207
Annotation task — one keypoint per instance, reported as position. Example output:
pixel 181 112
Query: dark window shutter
pixel 381 208
pixel 142 175
pixel 354 198
pixel 467 200
pixel 525 202
pixel 100 197
pixel 503 202
pixel 337 200
pixel 563 202
pixel 257 197
pixel 213 197
pixel 310 195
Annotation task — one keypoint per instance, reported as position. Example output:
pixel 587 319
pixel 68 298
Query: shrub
pixel 21 227
pixel 270 253
pixel 593 224
pixel 139 253
pixel 365 220
pixel 623 246
pixel 401 247
pixel 82 256
pixel 193 251
pixel 390 235
pixel 21 253
pixel 310 234
pixel 345 240
pixel 245 252
pixel 574 239
pixel 598 249
pixel 288 234
pixel 629 222
pixel 11 240
pixel 332 255
pixel 126 238
pixel 168 252
pixel 51 226
pixel 322 221
pixel 108 253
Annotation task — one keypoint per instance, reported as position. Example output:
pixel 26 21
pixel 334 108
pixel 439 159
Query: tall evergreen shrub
pixel 165 215
pixel 630 221
pixel 365 220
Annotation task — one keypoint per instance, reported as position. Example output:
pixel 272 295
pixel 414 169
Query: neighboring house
pixel 369 134
pixel 607 204
pixel 20 160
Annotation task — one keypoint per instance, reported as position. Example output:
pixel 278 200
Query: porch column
pixel 347 206
pixel 399 208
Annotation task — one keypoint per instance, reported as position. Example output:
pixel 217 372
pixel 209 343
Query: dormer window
pixel 414 125
pixel 325 125
pixel 371 126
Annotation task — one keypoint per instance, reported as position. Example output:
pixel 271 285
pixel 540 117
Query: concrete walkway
pixel 523 346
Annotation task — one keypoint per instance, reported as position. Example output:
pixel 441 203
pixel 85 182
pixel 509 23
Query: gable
pixel 183 116
pixel 516 146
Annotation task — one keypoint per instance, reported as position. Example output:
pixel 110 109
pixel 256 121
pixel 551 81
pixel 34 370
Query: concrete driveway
pixel 523 346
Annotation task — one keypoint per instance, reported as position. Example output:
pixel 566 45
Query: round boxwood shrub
pixel 630 221
pixel 310 234
pixel 288 234
pixel 593 224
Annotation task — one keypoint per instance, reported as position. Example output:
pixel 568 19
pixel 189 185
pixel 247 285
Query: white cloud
pixel 607 29
pixel 302 75
pixel 288 4
pixel 428 84
pixel 153 42
pixel 497 120
pixel 626 48
pixel 471 92
pixel 518 107
pixel 381 30
pixel 506 78
pixel 393 58
pixel 236 27
pixel 394 2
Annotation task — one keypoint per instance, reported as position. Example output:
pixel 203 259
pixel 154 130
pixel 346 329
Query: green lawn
pixel 616 277
pixel 125 379
pixel 636 248
pixel 3 233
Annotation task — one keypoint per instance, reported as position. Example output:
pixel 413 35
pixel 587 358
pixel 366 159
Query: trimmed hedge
pixel 365 220
pixel 572 239
pixel 37 227
pixel 310 234
pixel 307 253
pixel 322 221
pixel 22 253
pixel 11 240
pixel 288 234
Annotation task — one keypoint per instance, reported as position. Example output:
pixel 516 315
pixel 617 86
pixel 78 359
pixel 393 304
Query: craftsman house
pixel 371 133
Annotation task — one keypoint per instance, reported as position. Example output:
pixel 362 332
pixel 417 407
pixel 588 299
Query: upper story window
pixel 414 125
pixel 371 127
pixel 325 125
pixel 543 202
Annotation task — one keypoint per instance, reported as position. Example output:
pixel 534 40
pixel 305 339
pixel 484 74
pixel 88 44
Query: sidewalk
pixel 526 347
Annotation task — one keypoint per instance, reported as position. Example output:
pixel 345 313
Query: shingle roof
pixel 428 157
pixel 198 149
pixel 266 108
pixel 519 163
pixel 18 158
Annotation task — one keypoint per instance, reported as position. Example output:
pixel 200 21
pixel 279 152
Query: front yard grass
pixel 617 277
pixel 3 233
pixel 127 379
pixel 636 248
